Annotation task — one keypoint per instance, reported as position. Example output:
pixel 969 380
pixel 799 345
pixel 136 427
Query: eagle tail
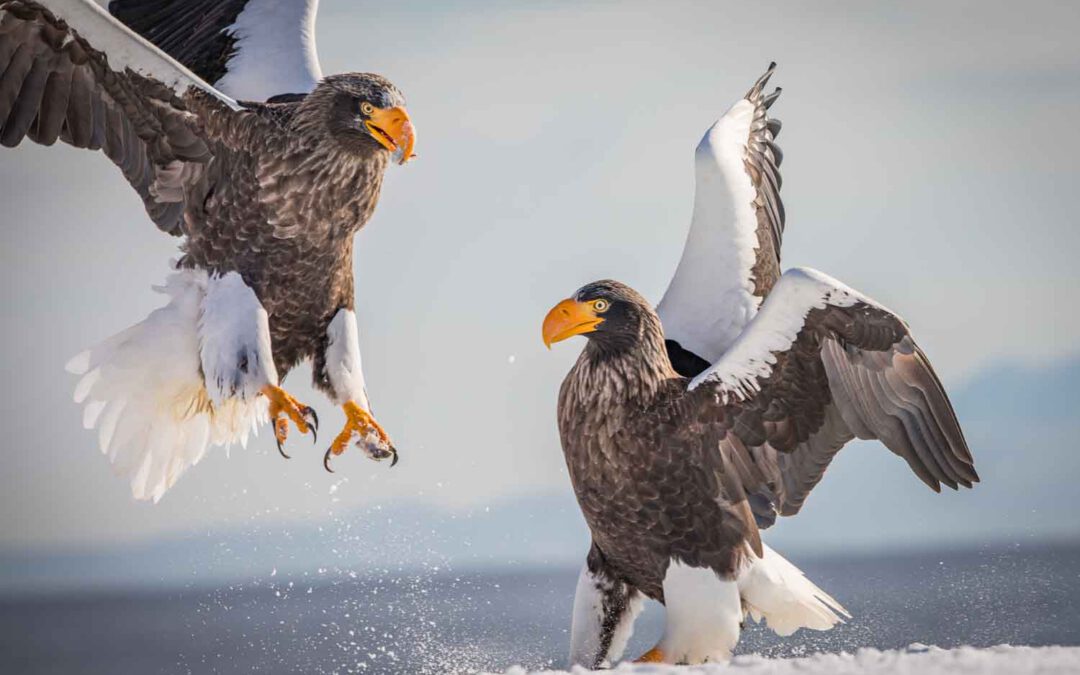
pixel 775 590
pixel 143 390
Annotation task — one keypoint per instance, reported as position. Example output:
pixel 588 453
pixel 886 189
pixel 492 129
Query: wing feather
pixel 251 49
pixel 132 103
pixel 26 103
pixel 732 254
pixel 818 366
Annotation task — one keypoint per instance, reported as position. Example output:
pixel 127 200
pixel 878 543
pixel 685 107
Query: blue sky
pixel 930 161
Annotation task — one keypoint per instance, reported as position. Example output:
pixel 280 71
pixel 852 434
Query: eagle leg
pixel 359 424
pixel 283 408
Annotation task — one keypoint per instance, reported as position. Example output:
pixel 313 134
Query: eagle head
pixel 364 112
pixel 610 314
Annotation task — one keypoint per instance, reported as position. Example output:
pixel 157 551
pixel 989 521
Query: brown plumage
pixel 273 192
pixel 663 466
pixel 684 439
pixel 289 189
pixel 647 486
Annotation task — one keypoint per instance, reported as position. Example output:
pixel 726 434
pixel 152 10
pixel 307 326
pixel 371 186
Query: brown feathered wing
pixel 819 365
pixel 55 84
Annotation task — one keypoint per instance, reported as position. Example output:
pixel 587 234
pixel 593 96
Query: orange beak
pixel 567 319
pixel 393 129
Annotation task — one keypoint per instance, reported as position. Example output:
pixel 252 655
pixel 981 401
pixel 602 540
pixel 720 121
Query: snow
pixel 915 660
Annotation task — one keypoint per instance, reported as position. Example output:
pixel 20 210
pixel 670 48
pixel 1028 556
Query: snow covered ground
pixel 914 660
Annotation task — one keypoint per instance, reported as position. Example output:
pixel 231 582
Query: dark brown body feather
pixel 645 481
pixel 281 207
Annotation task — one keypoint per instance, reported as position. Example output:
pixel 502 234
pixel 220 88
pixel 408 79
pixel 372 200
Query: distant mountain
pixel 1022 425
pixel 1048 393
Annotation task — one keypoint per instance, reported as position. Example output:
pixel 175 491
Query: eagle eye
pixel 367 108
pixel 601 305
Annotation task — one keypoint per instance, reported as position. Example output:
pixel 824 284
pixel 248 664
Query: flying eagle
pixel 688 429
pixel 267 179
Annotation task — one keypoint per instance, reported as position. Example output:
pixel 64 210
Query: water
pixel 438 622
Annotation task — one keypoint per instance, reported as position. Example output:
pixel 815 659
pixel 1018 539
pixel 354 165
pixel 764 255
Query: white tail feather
pixel 775 590
pixel 144 392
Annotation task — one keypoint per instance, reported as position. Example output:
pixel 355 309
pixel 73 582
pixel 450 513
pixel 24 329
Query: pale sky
pixel 931 161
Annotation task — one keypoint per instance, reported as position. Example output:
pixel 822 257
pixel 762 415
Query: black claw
pixel 280 448
pixel 326 459
pixel 393 451
pixel 312 419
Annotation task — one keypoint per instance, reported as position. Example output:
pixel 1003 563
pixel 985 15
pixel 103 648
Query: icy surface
pixel 915 659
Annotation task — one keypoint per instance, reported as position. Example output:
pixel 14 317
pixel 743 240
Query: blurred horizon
pixel 930 162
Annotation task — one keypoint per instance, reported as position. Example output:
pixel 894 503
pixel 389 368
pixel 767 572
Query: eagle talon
pixel 365 433
pixel 281 431
pixel 312 418
pixel 283 408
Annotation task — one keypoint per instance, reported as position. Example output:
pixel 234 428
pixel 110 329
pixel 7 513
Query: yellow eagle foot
pixel 283 408
pixel 654 655
pixel 369 436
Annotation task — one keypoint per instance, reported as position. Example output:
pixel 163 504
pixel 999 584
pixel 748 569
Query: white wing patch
pixel 144 390
pixel 126 49
pixel 711 297
pixel 751 358
pixel 275 50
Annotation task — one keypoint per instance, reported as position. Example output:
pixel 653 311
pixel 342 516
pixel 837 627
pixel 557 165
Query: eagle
pixel 266 179
pixel 689 428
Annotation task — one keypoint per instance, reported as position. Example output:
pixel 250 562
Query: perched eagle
pixel 688 429
pixel 267 193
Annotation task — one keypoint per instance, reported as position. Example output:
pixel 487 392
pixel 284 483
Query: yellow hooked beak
pixel 393 130
pixel 567 319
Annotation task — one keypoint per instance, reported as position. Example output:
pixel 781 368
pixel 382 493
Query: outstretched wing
pixel 819 365
pixel 252 50
pixel 732 255
pixel 130 101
